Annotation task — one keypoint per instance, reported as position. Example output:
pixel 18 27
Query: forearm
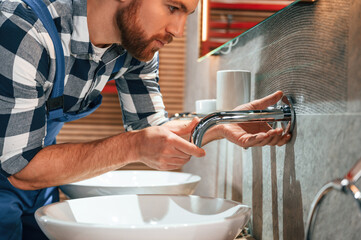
pixel 64 163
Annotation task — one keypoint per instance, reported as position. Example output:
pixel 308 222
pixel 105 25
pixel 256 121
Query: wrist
pixel 131 146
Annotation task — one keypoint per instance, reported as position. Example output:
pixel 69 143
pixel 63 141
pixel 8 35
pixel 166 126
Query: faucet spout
pixel 284 113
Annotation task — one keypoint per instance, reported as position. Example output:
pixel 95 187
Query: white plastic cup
pixel 233 89
pixel 206 106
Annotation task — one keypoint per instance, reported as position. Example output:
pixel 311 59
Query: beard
pixel 133 36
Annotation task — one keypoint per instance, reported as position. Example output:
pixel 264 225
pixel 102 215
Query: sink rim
pixel 191 179
pixel 243 211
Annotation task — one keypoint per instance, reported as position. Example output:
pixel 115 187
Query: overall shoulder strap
pixel 55 103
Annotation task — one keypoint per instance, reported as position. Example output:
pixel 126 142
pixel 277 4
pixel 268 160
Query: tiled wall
pixel 312 52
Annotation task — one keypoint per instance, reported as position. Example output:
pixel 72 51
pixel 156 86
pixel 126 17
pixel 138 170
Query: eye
pixel 172 9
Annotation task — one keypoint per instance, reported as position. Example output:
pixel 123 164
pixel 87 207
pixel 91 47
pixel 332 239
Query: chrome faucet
pixel 284 113
pixel 345 185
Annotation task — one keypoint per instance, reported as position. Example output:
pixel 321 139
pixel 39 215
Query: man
pixel 102 40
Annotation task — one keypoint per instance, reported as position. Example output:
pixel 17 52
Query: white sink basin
pixel 136 217
pixel 133 182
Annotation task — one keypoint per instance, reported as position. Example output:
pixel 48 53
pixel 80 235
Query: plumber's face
pixel 146 26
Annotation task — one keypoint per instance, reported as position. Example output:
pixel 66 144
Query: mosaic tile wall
pixel 313 53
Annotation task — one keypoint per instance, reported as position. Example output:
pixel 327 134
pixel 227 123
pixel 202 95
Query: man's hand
pixel 167 147
pixel 163 149
pixel 255 134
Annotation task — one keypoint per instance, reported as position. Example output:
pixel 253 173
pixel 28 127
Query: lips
pixel 162 42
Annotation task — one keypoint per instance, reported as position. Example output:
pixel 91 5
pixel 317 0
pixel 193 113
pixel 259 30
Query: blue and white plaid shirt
pixel 27 71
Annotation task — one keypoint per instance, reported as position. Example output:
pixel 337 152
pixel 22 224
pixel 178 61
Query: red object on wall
pixel 110 87
pixel 251 6
pixel 233 29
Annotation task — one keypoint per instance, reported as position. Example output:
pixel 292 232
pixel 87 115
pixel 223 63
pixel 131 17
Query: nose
pixel 176 27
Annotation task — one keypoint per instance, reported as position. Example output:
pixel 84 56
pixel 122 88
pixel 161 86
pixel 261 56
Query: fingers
pixel 262 103
pixel 172 163
pixel 179 154
pixel 285 139
pixel 275 136
pixel 172 159
pixel 189 148
pixel 167 163
pixel 278 137
pixel 193 123
pixel 181 127
pixel 185 130
pixel 267 101
pixel 160 148
pixel 272 138
pixel 184 146
pixel 180 148
pixel 252 140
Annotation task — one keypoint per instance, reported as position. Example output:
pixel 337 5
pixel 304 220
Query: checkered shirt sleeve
pixel 23 76
pixel 139 94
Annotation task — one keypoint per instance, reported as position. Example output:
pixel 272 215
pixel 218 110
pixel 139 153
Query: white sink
pixel 149 217
pixel 133 182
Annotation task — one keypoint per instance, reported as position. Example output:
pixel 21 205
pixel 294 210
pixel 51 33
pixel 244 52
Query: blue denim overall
pixel 17 206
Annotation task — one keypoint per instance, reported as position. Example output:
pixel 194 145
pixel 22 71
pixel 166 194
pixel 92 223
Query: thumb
pixel 267 101
pixel 262 103
pixel 187 128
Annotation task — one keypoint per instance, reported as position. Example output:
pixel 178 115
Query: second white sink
pixel 133 182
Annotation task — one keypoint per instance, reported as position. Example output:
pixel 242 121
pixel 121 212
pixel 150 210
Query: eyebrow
pixel 181 6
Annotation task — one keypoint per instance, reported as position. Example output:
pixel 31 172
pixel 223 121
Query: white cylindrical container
pixel 206 106
pixel 233 89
